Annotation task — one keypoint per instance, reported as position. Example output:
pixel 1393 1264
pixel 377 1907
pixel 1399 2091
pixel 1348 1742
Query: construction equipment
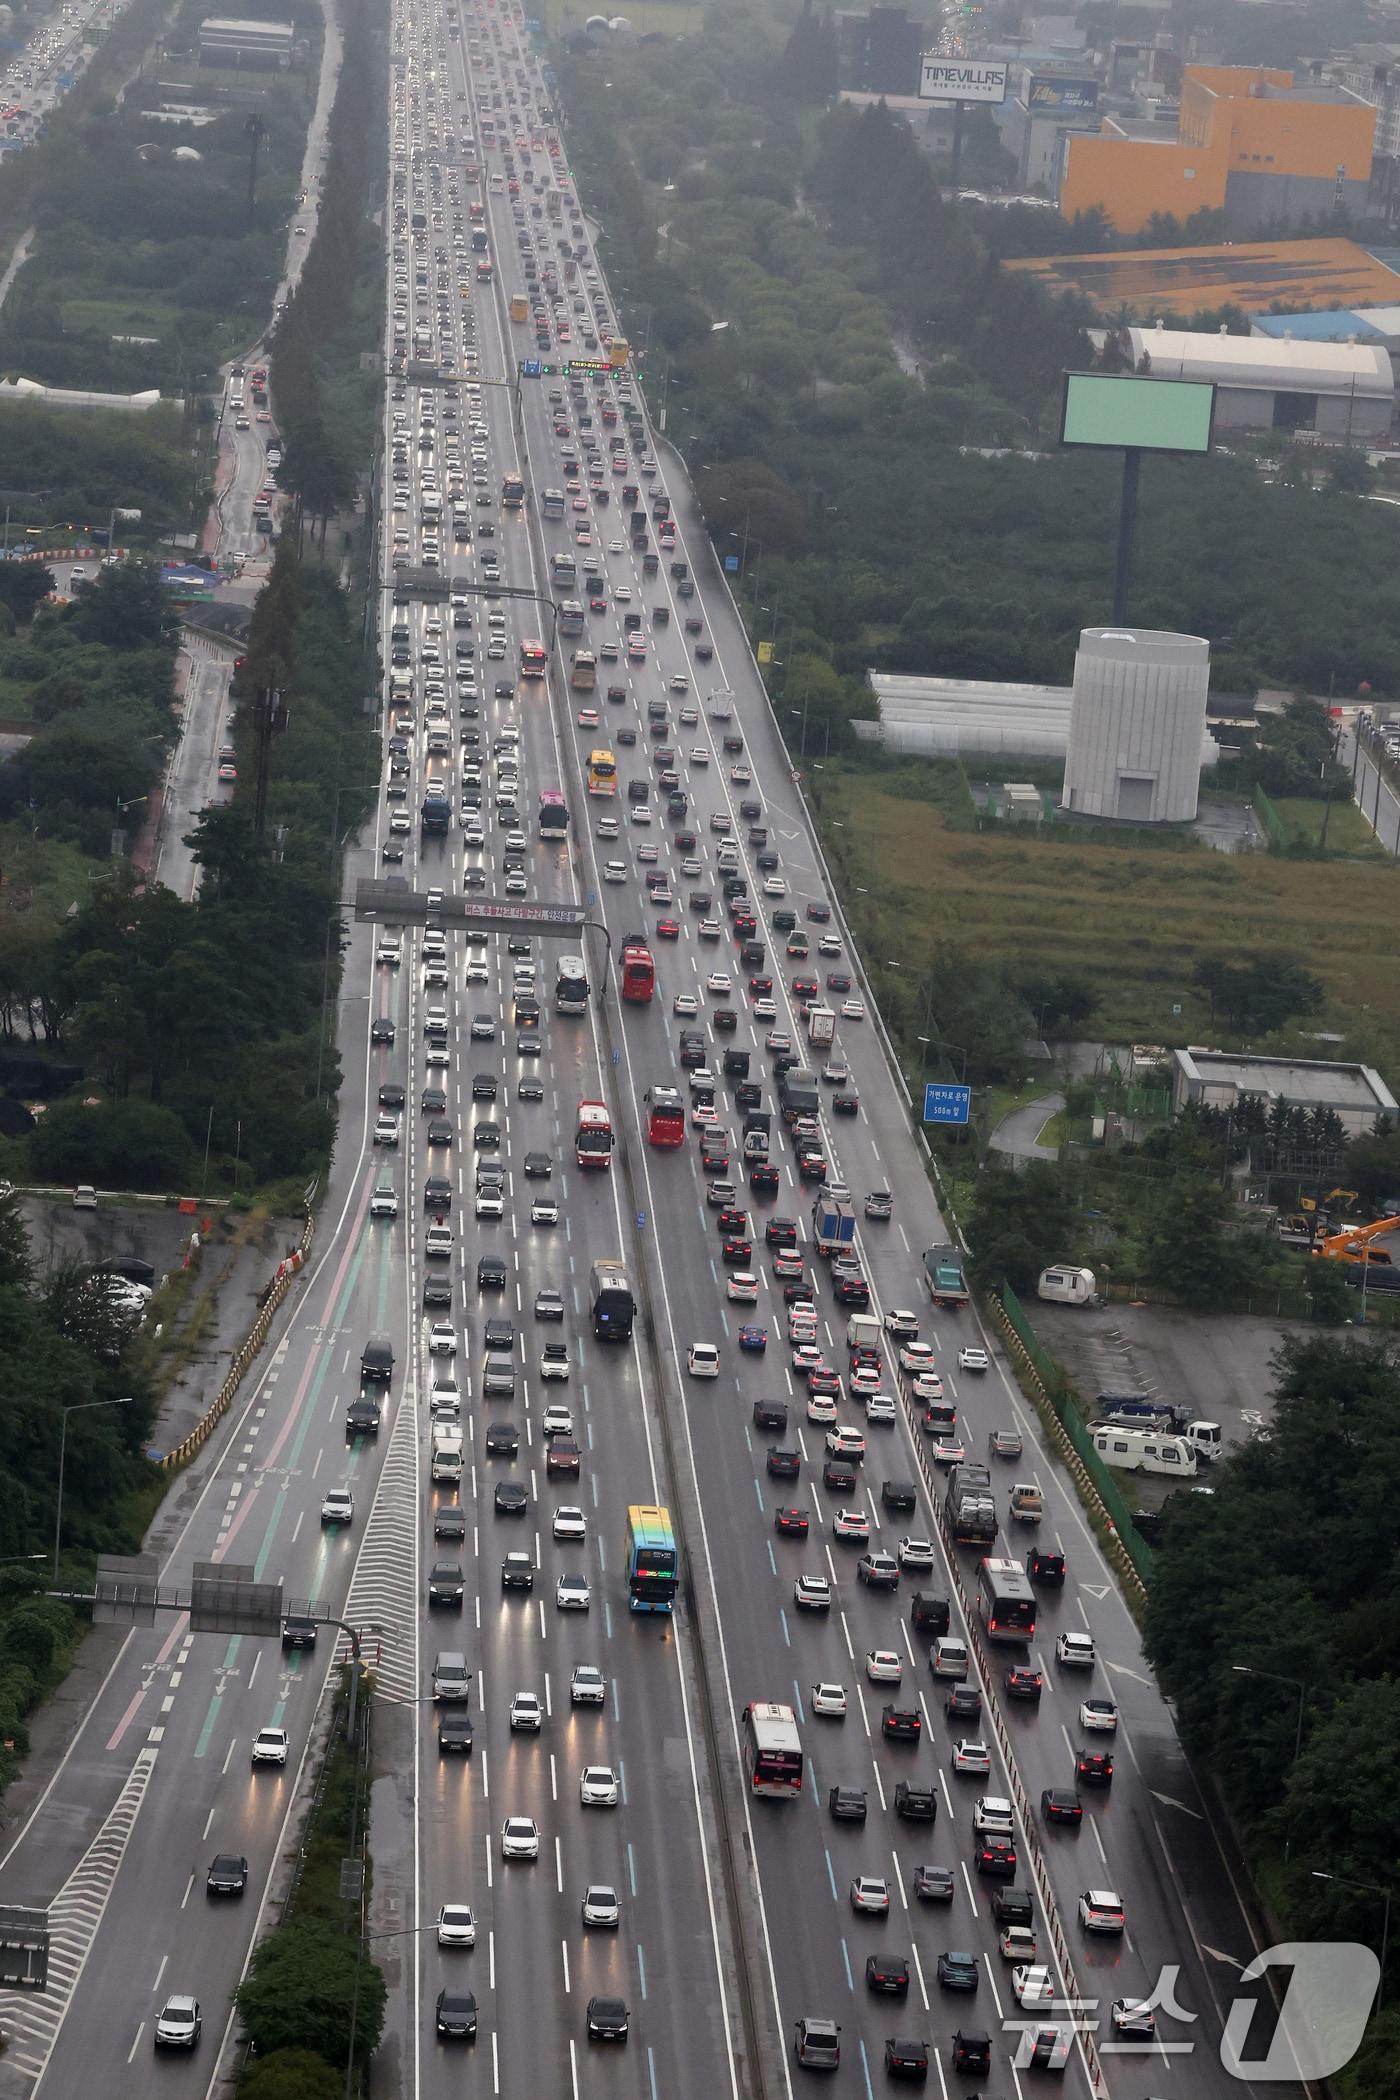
pixel 1354 1244
pixel 1335 1199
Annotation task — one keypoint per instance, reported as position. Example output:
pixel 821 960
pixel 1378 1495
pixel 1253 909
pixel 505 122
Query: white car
pixel 649 853
pixel 1133 2016
pixel 991 1816
pixel 587 1686
pixel 557 1421
pixel 821 1408
pixel 884 1666
pixel 456 1925
pixel 1101 1910
pixel 1075 1651
pixel 442 1339
pixel 702 1360
pixel 973 1359
pixel 774 886
pixel 598 1788
pixel 765 1010
pixel 270 1746
pixel 520 1838
pixel 600 1905
pixel 916 1357
pixel 605 828
pixel 880 1408
pixel 812 1593
pixel 829 1701
pixel 743 1287
pixel 685 1003
pixel 903 1325
pixel 1032 1984
pixel 1098 1714
pixel 475 972
pixel 915 1553
pixel 337 1506
pixel 845 1442
pixel 971 1756
pixel 526 1713
pixel 719 983
pixel 614 871
pixel 386 1130
pixel 699 756
pixel 871 1893
pixel 490 1203
pixel 571 1593
pixel 926 1385
pixel 570 1522
pixel 852 1009
pixel 544 1211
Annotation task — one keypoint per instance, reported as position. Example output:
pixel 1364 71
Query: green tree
pixel 1019 1222
pixel 300 1987
pixel 291 2074
pixel 1187 1249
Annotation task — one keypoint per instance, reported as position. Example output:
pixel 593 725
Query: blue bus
pixel 570 617
pixel 649 1554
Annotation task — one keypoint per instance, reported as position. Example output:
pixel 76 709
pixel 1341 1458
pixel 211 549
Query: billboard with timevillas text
pixel 961 80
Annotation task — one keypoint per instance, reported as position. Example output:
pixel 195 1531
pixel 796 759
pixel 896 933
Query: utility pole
pixel 253 128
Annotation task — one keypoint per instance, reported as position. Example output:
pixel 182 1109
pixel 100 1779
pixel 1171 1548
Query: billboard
pixel 1127 410
pixel 961 79
pixel 1051 93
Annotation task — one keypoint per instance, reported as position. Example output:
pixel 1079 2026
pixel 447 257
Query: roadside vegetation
pixel 1272 1622
pixel 63 1350
pixel 151 265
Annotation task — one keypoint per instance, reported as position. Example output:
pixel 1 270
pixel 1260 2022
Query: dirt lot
pixel 58 1233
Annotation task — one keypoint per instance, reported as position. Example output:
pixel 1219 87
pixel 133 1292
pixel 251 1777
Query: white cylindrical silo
pixel 1136 725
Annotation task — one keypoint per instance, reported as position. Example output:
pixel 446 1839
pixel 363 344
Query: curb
pixel 272 1298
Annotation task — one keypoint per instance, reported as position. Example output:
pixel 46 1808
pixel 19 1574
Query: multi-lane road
pixel 159 1776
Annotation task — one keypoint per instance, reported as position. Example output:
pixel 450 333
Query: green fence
pixel 1063 1399
pixel 1268 816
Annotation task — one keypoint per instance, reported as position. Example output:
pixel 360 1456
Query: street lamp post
pixel 79 1407
pixel 1367 1888
pixel 1273 1677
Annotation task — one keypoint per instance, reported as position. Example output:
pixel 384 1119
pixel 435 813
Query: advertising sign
pixel 1046 92
pixel 1113 410
pixel 961 79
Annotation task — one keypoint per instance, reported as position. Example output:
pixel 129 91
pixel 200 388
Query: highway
pixel 158 1777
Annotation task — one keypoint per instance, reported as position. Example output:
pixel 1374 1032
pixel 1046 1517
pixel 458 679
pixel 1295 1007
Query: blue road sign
pixel 947 1104
pixel 530 368
pixel 731 564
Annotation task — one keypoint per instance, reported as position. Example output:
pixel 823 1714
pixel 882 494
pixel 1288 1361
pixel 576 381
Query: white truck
pixel 863 1331
pixel 821 1025
pixel 446 1465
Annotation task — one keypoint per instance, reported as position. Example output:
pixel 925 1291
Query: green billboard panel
pixel 1121 410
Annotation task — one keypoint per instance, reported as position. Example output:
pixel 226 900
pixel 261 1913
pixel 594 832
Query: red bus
pixel 533 661
pixel 638 971
pixel 476 212
pixel 554 815
pixel 665 1118
pixel 593 1141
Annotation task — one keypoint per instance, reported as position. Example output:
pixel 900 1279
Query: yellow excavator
pixel 1335 1199
pixel 1355 1246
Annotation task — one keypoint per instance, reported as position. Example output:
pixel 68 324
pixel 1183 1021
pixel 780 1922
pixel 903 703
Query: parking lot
pixel 59 1234
pixel 1219 1364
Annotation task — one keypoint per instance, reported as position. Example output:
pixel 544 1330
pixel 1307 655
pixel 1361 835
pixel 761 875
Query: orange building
pixel 1249 143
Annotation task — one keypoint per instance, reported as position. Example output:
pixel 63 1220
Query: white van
pixel 1143 1450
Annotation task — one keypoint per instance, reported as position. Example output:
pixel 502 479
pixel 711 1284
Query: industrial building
pixel 1250 142
pixel 1337 390
pixel 252 46
pixel 1356 1093
pixel 1131 731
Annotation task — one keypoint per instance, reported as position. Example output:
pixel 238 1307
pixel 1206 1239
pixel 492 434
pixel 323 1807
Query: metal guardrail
pixel 271 1300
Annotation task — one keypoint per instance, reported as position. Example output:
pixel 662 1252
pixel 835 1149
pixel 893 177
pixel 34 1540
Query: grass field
pixel 1133 919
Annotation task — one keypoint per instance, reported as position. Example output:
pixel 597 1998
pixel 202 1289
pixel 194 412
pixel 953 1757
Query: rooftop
pixel 1361 369
pixel 1301 1082
pixel 1251 274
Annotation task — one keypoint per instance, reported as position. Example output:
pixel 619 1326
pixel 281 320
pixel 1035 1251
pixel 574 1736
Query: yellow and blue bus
pixel 649 1556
